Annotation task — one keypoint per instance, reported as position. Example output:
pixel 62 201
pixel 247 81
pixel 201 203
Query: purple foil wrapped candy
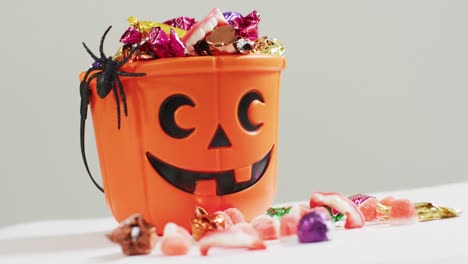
pixel 131 36
pixel 182 22
pixel 315 226
pixel 229 16
pixel 247 26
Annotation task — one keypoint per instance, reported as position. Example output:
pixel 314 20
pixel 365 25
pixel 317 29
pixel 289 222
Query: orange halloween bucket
pixel 200 131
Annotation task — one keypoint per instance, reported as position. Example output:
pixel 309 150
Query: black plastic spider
pixel 107 79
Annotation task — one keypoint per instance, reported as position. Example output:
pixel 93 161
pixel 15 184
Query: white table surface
pixel 84 241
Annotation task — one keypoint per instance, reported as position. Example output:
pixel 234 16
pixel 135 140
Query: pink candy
pixel 175 241
pixel 235 215
pixel 288 225
pixel 266 226
pixel 402 212
pixel 341 203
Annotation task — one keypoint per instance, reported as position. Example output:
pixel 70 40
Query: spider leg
pixel 134 49
pixel 116 96
pixel 122 95
pixel 101 46
pixel 93 68
pixel 84 93
pixel 122 73
pixel 90 52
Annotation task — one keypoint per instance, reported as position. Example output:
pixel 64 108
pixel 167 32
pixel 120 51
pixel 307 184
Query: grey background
pixel 374 96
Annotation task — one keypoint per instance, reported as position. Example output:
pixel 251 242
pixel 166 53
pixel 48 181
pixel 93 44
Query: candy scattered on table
pixel 402 212
pixel 366 204
pixel 203 222
pixel 288 226
pixel 235 215
pixel 315 226
pixel 175 241
pixel 135 236
pixel 341 203
pixel 297 223
pixel 278 211
pixel 241 235
pixel 267 227
pixel 425 211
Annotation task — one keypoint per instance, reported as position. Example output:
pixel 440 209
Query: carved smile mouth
pixel 226 183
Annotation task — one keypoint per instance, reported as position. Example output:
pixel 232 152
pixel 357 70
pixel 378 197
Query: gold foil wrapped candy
pixel 146 26
pixel 269 46
pixel 204 222
pixel 426 211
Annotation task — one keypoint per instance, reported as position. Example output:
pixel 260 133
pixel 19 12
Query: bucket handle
pixel 84 93
pixel 83 154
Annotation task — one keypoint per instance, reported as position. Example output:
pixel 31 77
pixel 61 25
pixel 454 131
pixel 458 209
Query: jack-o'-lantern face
pixel 200 131
pixel 231 172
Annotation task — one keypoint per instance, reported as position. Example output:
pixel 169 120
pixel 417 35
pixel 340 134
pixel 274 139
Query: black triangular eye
pixel 167 119
pixel 242 110
pixel 220 139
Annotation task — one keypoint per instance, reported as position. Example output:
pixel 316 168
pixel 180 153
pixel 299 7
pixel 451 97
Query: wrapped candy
pixel 425 211
pixel 142 54
pixel 315 226
pixel 131 36
pixel 135 236
pixel 278 211
pixel 182 22
pixel 216 34
pixel 268 45
pixel 203 223
pixel 145 26
pixel 245 26
pixel 164 45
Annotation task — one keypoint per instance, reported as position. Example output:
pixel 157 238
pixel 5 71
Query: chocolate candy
pixel 135 236
pixel 315 226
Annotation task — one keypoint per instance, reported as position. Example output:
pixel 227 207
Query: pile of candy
pixel 301 223
pixel 216 34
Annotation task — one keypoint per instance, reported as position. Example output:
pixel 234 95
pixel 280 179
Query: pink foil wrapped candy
pixel 182 22
pixel 165 46
pixel 247 26
pixel 131 36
